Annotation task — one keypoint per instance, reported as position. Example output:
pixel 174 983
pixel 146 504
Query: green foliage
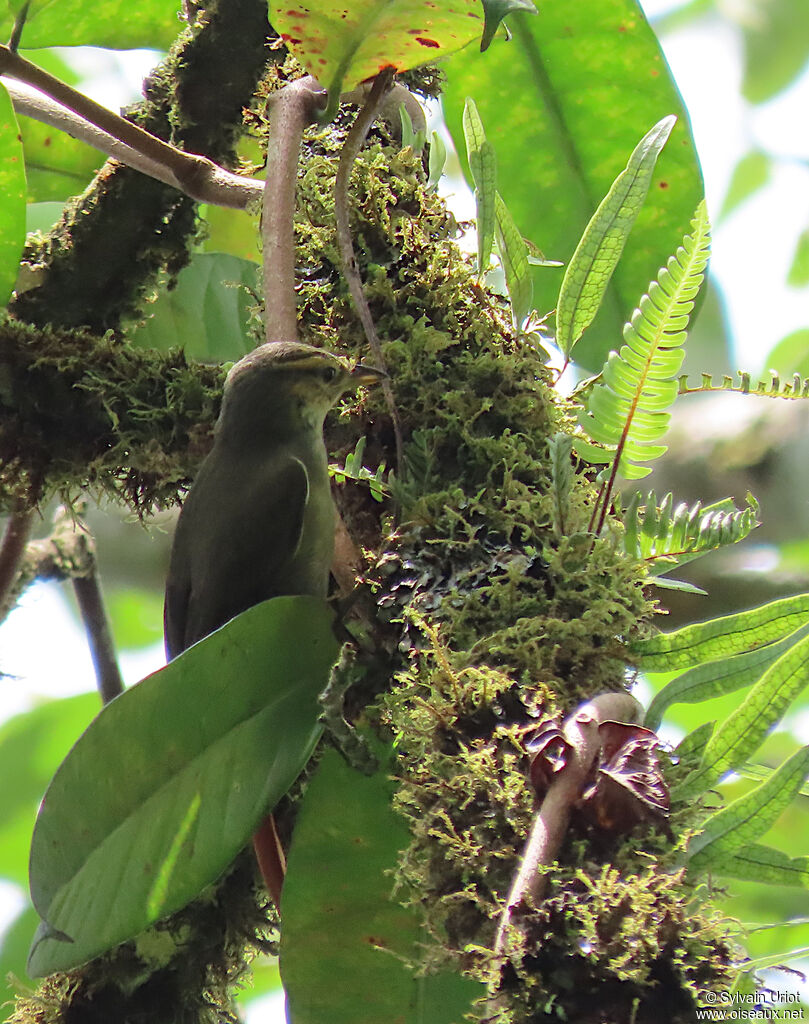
pixel 343 46
pixel 514 257
pixel 104 870
pixel 353 469
pixel 626 411
pixel 559 141
pixel 207 313
pixel 746 819
pixel 750 174
pixel 592 265
pixel 117 24
pixel 349 948
pixel 667 535
pixel 798 387
pixel 12 188
pixel 483 168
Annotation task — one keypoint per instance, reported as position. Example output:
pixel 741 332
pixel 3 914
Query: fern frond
pixel 797 387
pixel 353 469
pixel 666 535
pixel 626 412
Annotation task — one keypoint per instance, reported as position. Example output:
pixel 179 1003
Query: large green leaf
pixel 116 24
pixel 342 44
pixel 167 784
pixel 12 189
pixel 776 45
pixel 563 103
pixel 348 947
pixel 207 312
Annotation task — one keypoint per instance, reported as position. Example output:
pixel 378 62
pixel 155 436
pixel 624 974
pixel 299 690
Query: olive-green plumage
pixel 259 520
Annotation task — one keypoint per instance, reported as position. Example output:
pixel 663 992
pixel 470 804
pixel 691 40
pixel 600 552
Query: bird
pixel 258 521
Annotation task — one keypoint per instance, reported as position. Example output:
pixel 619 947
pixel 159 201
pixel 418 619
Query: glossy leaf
pixel 116 24
pixel 181 768
pixel 746 819
pixel 342 44
pixel 591 267
pixel 347 942
pixel 723 636
pixel 12 189
pixel 562 101
pixel 483 167
pixel 207 312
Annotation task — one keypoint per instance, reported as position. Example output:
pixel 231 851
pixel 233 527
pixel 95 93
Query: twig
pixel 550 825
pixel 350 151
pixel 290 110
pixel 99 637
pixel 198 177
pixel 18 530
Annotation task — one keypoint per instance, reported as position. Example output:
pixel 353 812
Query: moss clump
pixel 79 412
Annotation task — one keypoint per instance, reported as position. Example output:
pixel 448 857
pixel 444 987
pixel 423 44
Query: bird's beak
pixel 367 375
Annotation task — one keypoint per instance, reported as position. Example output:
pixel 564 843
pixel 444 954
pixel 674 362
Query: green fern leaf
pixel 626 412
pixel 669 535
pixel 796 387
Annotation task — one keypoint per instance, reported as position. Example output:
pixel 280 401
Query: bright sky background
pixel 41 647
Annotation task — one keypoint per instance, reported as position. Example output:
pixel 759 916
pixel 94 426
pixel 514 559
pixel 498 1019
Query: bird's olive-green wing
pixel 237 534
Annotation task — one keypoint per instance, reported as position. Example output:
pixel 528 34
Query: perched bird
pixel 259 519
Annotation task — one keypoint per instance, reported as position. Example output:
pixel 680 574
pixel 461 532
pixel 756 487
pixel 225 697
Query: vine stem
pixel 290 110
pixel 349 153
pixel 18 530
pixel 99 635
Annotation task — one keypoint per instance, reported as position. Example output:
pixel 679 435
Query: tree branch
pixel 290 110
pixel 83 119
pixel 12 549
pixel 99 636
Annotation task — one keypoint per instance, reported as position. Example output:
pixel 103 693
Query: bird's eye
pixel 328 373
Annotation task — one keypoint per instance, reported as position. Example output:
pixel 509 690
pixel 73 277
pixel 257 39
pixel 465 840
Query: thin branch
pixel 18 530
pixel 550 825
pixel 350 151
pixel 99 636
pixel 83 118
pixel 290 110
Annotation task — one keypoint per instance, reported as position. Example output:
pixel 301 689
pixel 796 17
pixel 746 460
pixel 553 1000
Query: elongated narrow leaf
pixel 757 863
pixel 589 271
pixel 626 410
pixel 694 743
pixel 724 636
pixel 12 189
pixel 514 257
pixel 744 820
pixel 716 678
pixel 483 166
pixel 347 942
pixel 343 44
pixel 167 784
pixel 743 731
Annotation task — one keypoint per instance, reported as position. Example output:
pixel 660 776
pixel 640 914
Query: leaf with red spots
pixel 342 45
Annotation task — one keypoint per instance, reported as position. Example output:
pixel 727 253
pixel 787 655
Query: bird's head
pixel 284 387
